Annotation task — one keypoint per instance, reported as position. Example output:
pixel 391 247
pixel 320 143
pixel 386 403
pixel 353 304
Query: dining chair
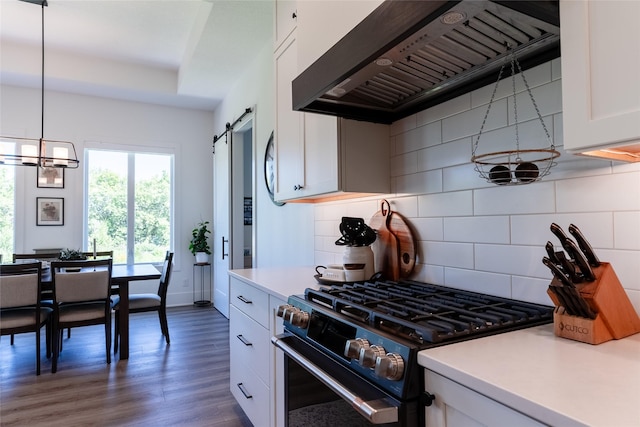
pixel 81 297
pixel 20 309
pixel 139 303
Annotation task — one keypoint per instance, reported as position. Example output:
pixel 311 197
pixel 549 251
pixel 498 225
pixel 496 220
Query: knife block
pixel 615 316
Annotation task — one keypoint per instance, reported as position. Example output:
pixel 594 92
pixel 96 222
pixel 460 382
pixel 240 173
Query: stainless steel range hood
pixel 410 55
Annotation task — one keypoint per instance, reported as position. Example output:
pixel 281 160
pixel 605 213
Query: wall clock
pixel 270 171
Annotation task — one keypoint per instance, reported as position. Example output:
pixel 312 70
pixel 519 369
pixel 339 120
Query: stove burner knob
pixel 369 355
pixel 299 318
pixel 352 347
pixel 390 367
pixel 283 309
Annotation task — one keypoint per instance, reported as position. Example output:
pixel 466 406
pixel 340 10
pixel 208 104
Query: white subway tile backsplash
pixel 530 289
pixel 480 229
pixel 403 125
pixel 626 230
pixel 463 177
pixel 511 259
pixel 479 236
pixel 548 98
pixel 534 229
pixel 422 182
pixel 469 122
pixel 478 281
pixel 446 109
pixel 427 228
pixel 447 254
pixel 535 76
pixel 444 155
pixel 616 192
pixel 458 203
pixel 404 164
pixel 537 197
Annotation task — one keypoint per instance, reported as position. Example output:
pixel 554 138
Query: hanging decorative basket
pixel 519 166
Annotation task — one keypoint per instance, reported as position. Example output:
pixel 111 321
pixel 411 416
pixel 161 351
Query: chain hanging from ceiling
pixel 519 166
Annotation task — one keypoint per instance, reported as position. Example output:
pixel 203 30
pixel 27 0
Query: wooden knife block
pixel 616 318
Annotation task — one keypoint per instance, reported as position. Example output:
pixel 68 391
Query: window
pixel 129 204
pixel 7 192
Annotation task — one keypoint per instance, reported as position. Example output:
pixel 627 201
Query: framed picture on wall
pixel 50 177
pixel 49 211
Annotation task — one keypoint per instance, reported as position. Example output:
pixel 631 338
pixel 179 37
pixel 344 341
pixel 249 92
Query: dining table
pixel 121 276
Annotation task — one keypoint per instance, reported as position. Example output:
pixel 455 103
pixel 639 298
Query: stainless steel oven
pixel 350 351
pixel 318 391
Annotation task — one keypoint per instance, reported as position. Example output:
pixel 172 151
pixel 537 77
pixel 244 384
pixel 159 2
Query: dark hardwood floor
pixel 185 383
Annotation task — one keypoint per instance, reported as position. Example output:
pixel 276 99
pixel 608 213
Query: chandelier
pixel 19 151
pixel 519 166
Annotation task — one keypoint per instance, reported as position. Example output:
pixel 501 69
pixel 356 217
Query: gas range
pixel 377 328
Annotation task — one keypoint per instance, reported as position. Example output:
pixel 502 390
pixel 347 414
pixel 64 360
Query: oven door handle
pixel 378 411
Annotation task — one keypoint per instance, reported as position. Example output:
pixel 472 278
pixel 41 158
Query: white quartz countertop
pixel 557 381
pixel 279 281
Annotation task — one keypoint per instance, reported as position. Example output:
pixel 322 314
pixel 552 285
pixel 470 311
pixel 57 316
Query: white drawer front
pixel 249 343
pixel 250 300
pixel 251 393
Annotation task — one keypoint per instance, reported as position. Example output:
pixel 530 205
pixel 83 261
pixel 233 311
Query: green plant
pixel 199 239
pixel 72 254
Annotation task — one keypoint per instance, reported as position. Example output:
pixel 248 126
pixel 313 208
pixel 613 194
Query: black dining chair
pixel 139 303
pixel 20 309
pixel 81 297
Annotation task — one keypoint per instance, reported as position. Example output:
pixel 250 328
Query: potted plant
pixel 199 245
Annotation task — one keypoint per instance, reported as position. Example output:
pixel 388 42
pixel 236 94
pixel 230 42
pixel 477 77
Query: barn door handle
pixel 223 242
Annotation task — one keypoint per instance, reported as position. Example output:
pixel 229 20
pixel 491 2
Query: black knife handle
pixel 551 252
pixel 559 233
pixel 582 304
pixel 584 245
pixel 580 260
pixel 568 267
pixel 557 273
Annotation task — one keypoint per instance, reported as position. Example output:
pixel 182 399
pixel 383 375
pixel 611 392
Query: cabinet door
pixel 320 155
pixel 458 406
pixel 286 19
pixel 277 365
pixel 289 127
pixel 600 63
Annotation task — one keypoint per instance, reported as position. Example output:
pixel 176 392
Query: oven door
pixel 319 391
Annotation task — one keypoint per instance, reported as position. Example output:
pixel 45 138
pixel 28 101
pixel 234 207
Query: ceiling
pixel 184 53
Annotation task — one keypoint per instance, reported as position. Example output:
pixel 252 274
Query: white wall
pixel 490 238
pixel 86 119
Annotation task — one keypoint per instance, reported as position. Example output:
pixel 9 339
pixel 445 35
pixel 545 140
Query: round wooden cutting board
pixel 395 246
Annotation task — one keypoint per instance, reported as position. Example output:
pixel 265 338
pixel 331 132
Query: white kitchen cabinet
pixel 277 364
pixel 256 370
pixel 600 85
pixel 249 343
pixel 319 156
pixel 458 406
pixel 286 19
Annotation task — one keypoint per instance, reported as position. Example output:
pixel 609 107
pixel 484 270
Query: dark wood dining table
pixel 121 276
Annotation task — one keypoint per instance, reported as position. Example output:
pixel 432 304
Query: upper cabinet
pixel 319 156
pixel 286 19
pixel 600 43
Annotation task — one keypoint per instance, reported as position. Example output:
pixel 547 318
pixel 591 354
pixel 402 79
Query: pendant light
pixel 40 152
pixel 519 166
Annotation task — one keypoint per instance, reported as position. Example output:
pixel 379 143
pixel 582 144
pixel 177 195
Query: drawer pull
pixel 243 340
pixel 244 300
pixel 244 391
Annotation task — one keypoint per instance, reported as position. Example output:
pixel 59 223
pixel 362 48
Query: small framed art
pixel 49 211
pixel 50 177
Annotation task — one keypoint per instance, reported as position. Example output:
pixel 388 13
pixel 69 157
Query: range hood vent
pixel 410 55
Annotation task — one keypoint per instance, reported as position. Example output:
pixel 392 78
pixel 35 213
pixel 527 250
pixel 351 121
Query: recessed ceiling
pixel 185 53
